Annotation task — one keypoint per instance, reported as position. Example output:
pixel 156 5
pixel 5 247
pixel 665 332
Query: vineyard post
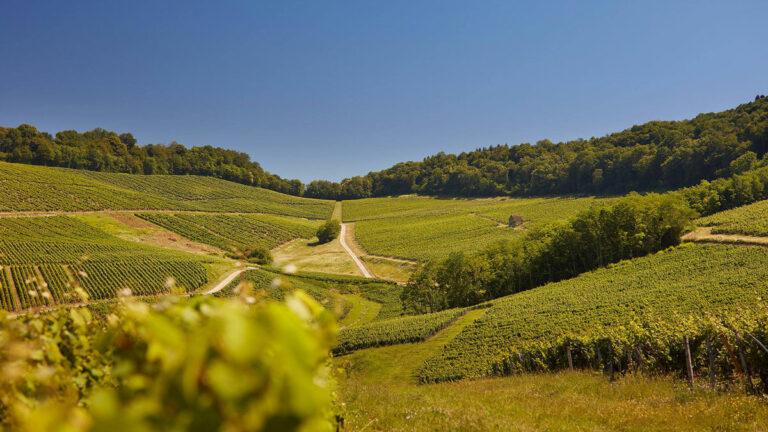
pixel 599 358
pixel 610 359
pixel 688 363
pixel 744 365
pixel 640 359
pixel 711 356
pixel 570 358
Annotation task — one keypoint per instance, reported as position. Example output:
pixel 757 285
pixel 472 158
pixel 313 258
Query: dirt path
pixel 227 280
pixel 355 258
pixel 704 235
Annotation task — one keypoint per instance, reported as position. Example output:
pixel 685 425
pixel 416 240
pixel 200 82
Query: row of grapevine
pixel 718 349
pixel 395 331
pixel 718 279
pixel 32 291
pixel 6 295
pixel 102 281
pixel 59 283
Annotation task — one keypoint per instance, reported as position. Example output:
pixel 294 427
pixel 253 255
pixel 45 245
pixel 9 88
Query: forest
pixel 652 156
pixel 658 155
pixel 106 151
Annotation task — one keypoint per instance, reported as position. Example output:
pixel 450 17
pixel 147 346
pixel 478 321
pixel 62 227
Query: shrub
pixel 328 231
pixel 260 255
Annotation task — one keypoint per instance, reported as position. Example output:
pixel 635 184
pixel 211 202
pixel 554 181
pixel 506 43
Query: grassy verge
pixel 551 402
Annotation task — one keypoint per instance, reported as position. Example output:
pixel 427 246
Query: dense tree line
pixel 101 150
pixel 655 155
pixel 637 225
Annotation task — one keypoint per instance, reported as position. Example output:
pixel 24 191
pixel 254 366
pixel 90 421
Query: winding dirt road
pixel 355 258
pixel 227 280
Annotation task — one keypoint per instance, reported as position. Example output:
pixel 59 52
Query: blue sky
pixel 332 89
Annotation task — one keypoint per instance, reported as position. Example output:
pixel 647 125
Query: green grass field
pixel 748 220
pixel 349 297
pixel 685 280
pixel 423 228
pixel 37 188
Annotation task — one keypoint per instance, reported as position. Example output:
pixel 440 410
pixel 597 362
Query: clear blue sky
pixel 332 89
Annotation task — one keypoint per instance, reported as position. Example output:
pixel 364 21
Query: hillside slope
pixel 685 280
pixel 37 188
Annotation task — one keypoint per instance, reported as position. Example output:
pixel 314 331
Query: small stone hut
pixel 515 220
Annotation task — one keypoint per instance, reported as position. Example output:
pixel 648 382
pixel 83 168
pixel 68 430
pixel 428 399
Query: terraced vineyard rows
pixel 393 331
pixel 102 263
pixel 37 188
pixel 423 228
pixel 686 280
pixel 31 290
pixel 59 283
pixel 103 281
pixel 6 296
pixel 748 220
pixel 238 230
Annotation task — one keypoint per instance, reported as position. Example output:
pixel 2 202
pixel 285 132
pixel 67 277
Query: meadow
pixel 423 228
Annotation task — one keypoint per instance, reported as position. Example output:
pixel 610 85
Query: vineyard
pixel 36 188
pixel 685 280
pixel 46 257
pixel 395 331
pixel 423 228
pixel 241 231
pixel 748 220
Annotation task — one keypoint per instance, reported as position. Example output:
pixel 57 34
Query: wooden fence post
pixel 570 358
pixel 711 364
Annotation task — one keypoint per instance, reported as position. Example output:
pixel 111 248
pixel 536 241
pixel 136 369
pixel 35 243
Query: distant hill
pixel 654 155
pixel 106 151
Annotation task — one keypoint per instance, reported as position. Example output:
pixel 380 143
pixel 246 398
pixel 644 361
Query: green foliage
pixel 196 365
pixel 259 255
pixel 395 331
pixel 689 279
pixel 100 150
pixel 328 231
pixel 35 188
